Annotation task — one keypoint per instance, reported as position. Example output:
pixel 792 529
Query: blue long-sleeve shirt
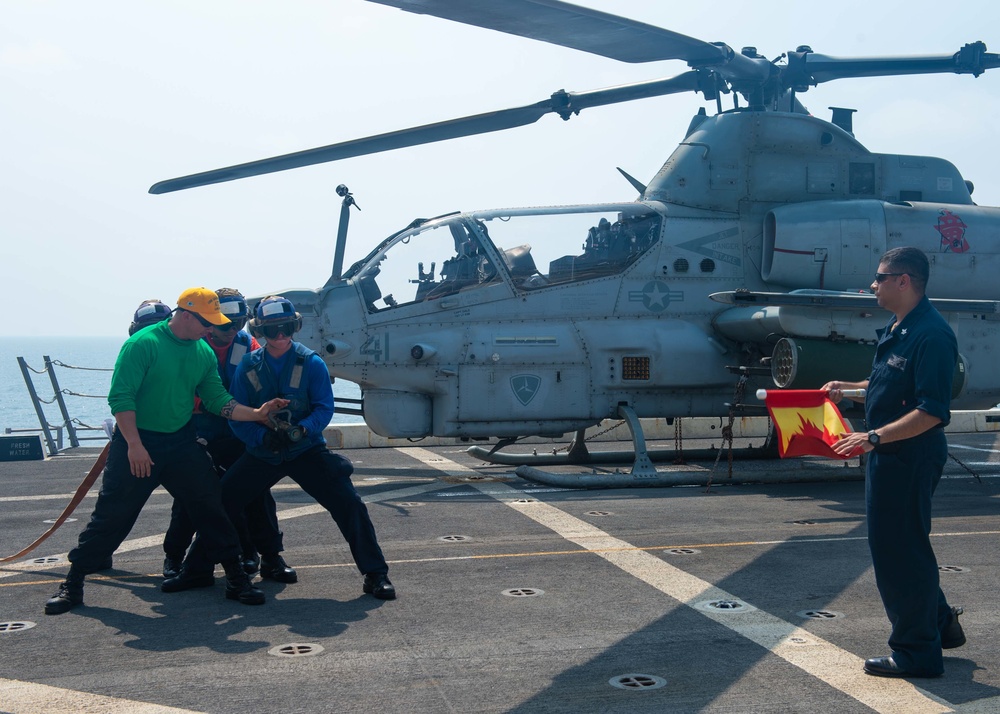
pixel 318 386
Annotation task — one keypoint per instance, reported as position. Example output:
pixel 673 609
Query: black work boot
pixel 238 585
pixel 172 565
pixel 188 579
pixel 953 636
pixel 251 563
pixel 274 567
pixel 378 585
pixel 69 596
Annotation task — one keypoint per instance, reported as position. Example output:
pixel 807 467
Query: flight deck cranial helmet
pixel 234 306
pixel 148 313
pixel 272 315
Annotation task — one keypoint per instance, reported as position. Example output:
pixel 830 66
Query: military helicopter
pixel 738 266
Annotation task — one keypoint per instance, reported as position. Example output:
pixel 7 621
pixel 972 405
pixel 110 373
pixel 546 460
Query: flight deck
pixel 513 597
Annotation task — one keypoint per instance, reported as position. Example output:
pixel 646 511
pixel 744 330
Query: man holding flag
pixel 906 407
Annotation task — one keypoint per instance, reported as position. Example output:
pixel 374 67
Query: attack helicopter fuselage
pixel 544 321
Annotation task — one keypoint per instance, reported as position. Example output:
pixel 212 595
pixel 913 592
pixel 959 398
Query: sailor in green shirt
pixel 159 371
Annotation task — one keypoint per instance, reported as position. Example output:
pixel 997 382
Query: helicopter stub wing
pixel 563 103
pixel 833 299
pixel 567 25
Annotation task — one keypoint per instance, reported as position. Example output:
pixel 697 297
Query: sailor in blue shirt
pixel 295 448
pixel 906 407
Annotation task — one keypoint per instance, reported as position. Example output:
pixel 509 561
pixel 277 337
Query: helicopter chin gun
pixel 292 432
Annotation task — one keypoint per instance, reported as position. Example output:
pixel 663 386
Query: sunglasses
pixel 272 331
pixel 202 320
pixel 882 277
pixel 236 324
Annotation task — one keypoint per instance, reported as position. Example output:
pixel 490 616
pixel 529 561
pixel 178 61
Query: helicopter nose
pixel 329 317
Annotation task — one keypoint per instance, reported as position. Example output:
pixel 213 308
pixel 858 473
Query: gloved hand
pixel 275 440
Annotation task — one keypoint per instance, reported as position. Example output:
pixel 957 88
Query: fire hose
pixel 81 492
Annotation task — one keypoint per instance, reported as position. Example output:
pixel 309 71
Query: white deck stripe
pixel 157 540
pixel 821 659
pixel 974 448
pixel 28 698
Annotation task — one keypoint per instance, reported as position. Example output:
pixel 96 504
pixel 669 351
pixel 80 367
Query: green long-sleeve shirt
pixel 157 376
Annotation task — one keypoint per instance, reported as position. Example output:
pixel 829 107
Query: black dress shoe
pixel 953 635
pixel 274 567
pixel 887 667
pixel 378 585
pixel 172 566
pixel 186 580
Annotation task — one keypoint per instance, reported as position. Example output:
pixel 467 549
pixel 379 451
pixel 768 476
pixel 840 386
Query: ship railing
pixel 53 433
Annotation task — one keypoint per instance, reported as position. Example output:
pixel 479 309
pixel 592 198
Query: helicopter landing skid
pixel 643 472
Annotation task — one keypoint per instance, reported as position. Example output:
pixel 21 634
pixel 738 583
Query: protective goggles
pixel 282 328
pixel 238 324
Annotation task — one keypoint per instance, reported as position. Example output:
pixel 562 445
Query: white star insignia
pixel 656 296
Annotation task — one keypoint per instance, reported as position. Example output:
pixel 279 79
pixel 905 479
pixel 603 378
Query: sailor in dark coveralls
pixel 906 408
pixel 288 370
pixel 159 371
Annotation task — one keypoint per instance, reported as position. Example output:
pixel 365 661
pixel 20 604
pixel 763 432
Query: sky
pixel 104 98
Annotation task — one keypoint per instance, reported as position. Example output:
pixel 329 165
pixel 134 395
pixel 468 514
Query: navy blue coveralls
pixel 913 368
pixel 257 526
pixel 182 467
pixel 300 376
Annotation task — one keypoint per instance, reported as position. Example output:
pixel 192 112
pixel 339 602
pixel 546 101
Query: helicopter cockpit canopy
pixel 529 249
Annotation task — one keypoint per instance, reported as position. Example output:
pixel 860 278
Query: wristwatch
pixel 873 438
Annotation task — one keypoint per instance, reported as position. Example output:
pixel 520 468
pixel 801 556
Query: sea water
pixel 82 367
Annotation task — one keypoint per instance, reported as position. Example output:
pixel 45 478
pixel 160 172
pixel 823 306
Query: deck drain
pixel 799 641
pixel 295 649
pixel 409 504
pixel 820 614
pixel 47 561
pixel 454 538
pixel 804 523
pixel 15 626
pixel 524 500
pixel 683 551
pixel 53 520
pixel 952 569
pixel 637 681
pixel 727 605
pixel 597 513
pixel 523 592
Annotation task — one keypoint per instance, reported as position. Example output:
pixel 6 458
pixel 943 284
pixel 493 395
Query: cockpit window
pixel 427 263
pixel 569 247
pixel 534 250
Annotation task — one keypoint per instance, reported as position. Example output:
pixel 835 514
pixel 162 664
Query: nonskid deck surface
pixel 512 598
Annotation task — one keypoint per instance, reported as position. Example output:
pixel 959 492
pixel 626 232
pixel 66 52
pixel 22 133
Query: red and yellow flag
pixel 806 422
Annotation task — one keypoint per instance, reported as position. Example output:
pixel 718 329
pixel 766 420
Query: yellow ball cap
pixel 204 302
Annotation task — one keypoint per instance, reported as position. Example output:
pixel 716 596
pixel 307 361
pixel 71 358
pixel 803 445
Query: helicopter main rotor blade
pixel 567 25
pixel 806 68
pixel 563 103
